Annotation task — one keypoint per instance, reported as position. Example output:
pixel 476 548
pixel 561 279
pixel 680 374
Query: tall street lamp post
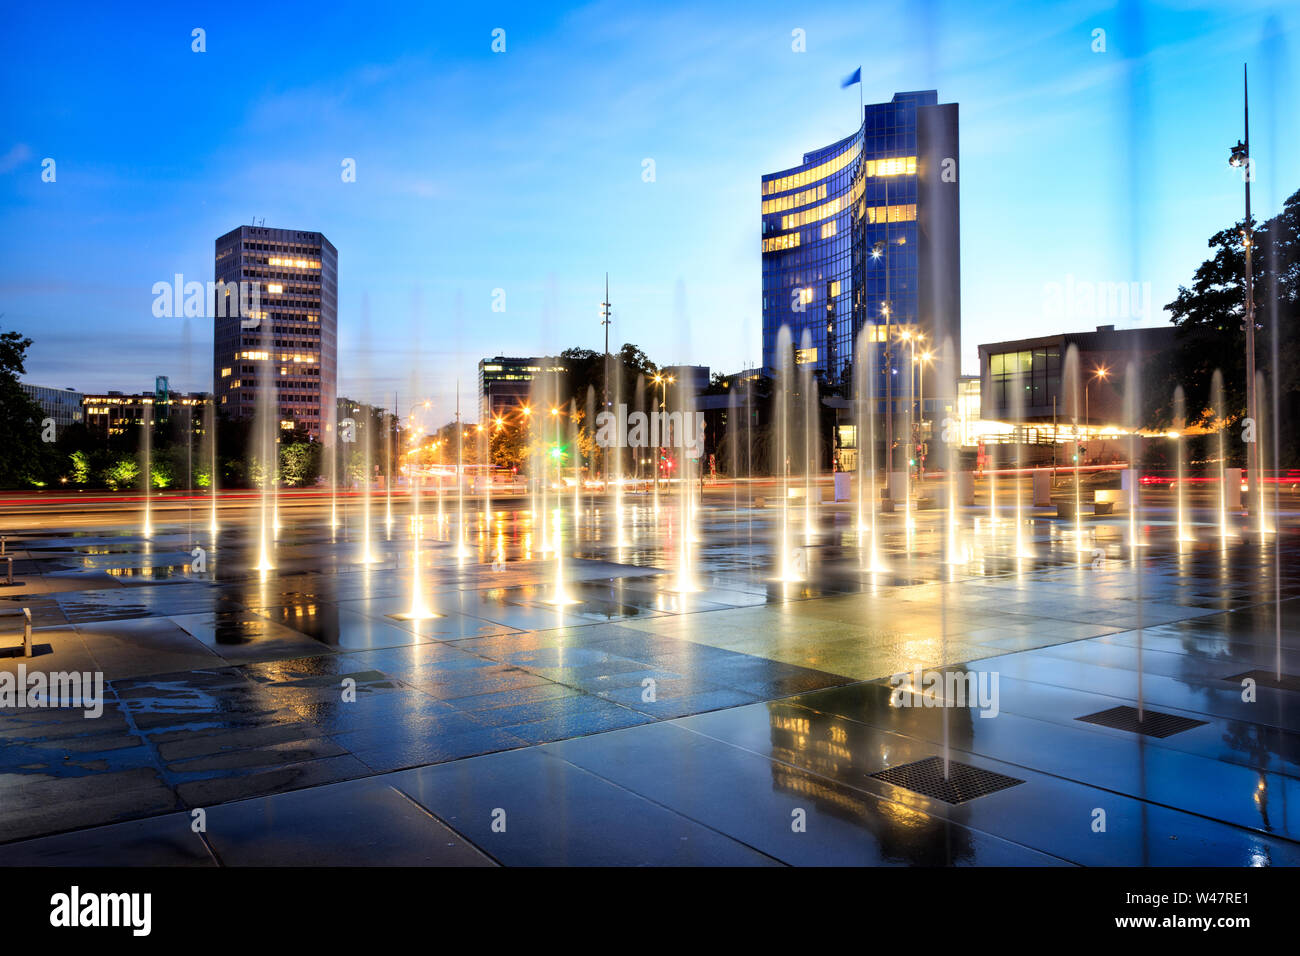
pixel 604 387
pixel 1098 373
pixel 1240 157
pixel 663 381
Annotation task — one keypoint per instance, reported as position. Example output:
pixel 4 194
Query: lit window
pixel 805 356
pixel 776 243
pixel 898 166
pixel 795 180
pixel 829 229
pixel 794 199
pixel 904 213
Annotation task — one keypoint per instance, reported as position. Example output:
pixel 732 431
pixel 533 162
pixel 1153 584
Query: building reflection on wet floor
pixel 746 722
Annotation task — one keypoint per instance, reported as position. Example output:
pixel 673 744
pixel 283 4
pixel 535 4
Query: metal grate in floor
pixel 1152 724
pixel 963 782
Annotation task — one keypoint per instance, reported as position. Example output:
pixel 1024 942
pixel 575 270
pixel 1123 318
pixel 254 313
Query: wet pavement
pixel 301 717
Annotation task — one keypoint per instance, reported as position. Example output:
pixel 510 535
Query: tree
pixel 80 467
pixel 300 463
pixel 22 453
pixel 508 448
pixel 1209 318
pixel 121 474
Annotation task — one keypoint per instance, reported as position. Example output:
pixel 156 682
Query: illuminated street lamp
pixel 1099 373
pixel 663 381
pixel 1239 156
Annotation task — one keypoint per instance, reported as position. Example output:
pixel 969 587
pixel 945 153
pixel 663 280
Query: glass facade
pixel 506 383
pixel 61 404
pixel 1035 372
pixel 845 244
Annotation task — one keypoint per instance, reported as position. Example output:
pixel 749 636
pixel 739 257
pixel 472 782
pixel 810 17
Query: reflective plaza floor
pixel 750 721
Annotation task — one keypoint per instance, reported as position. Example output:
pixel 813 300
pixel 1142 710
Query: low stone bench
pixel 26 615
pixel 1102 504
pixel 1114 498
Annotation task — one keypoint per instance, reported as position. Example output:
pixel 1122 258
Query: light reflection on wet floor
pixel 692 722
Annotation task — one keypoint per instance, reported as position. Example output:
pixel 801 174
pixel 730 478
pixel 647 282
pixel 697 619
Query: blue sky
pixel 523 170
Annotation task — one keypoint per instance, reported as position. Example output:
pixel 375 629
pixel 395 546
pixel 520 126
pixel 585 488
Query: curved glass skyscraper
pixel 865 232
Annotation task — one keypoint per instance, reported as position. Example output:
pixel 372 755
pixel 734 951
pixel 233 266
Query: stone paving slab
pixel 293 705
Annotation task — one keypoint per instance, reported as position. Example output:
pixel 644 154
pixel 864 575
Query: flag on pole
pixel 854 77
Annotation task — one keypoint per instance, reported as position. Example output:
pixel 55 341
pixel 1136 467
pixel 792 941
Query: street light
pixel 1100 372
pixel 663 381
pixel 1239 156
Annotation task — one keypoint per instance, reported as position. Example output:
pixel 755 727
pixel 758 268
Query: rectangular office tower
pixel 285 334
pixel 505 384
pixel 864 234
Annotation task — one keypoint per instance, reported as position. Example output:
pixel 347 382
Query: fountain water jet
pixel 811 452
pixel 388 476
pixel 1263 526
pixel 147 436
pixel 1133 410
pixel 620 537
pixel 1133 414
pixel 782 399
pixel 1220 424
pixel 865 372
pixel 462 545
pixel 367 551
pixel 420 609
pixel 685 577
pixel 210 427
pixel 560 596
pixel 1017 388
pixel 1180 477
pixel 574 434
pixel 263 426
pixel 955 553
pixel 1073 389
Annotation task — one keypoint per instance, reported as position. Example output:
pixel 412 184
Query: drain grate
pixel 963 782
pixel 1269 679
pixel 1152 724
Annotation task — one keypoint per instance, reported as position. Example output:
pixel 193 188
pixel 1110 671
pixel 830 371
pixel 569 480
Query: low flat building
pixel 61 404
pixel 693 378
pixel 112 415
pixel 1035 370
pixel 505 383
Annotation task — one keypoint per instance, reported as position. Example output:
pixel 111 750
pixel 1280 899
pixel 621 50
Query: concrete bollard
pixel 898 485
pixel 965 488
pixel 1232 477
pixel 1042 488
